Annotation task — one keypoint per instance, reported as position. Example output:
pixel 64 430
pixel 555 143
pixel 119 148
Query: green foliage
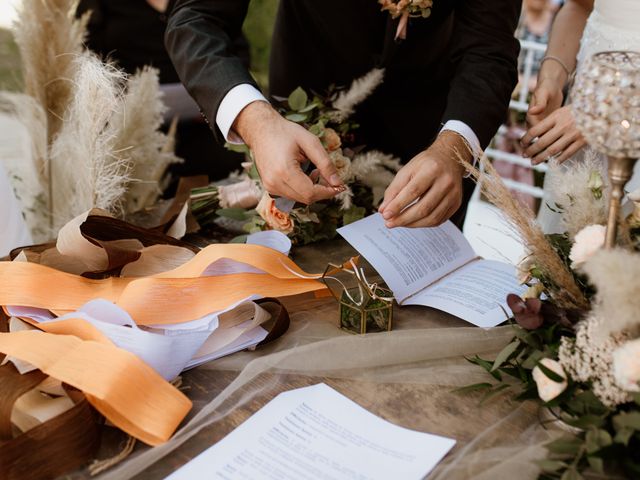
pixel 258 28
pixel 608 439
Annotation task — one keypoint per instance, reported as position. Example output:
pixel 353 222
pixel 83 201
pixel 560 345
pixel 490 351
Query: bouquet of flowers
pixel 366 173
pixel 576 345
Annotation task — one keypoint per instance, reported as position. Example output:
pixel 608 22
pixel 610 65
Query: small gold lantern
pixel 365 307
pixel 606 105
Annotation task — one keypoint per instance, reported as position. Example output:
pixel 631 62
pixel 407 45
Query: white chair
pixel 484 227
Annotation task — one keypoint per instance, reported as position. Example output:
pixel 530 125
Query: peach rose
pixel 331 139
pixel 275 219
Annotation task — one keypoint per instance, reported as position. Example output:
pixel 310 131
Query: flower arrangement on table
pixel 576 344
pixel 367 173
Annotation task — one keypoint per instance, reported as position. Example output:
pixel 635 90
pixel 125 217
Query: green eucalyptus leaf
pixel 584 421
pixel 571 474
pixel 550 373
pixel 297 117
pixel 551 465
pixel 623 436
pixel 473 388
pixel 308 108
pixel 565 445
pixel 504 355
pixel 591 442
pixel 298 99
pixel 233 213
pixel 627 420
pixel 486 365
pixel 596 463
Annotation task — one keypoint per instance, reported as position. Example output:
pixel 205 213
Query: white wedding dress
pixel 612 25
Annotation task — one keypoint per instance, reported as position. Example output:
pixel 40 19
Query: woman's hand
pixel 555 136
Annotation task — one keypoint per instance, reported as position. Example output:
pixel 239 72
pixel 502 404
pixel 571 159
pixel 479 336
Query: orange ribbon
pixel 116 382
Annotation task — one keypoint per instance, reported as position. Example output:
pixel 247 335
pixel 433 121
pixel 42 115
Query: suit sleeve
pixel 200 40
pixel 485 53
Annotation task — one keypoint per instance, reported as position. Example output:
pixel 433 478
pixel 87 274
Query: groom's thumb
pixel 320 158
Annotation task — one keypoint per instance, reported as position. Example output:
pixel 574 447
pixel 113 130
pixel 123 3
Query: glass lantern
pixel 363 308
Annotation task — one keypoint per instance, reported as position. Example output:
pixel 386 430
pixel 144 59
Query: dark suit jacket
pixel 458 64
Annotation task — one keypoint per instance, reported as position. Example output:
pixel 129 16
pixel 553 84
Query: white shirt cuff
pixel 469 135
pixel 232 104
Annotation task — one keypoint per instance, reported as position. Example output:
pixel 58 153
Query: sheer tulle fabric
pixel 406 376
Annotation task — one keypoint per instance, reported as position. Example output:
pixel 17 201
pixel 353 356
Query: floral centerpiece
pixel 576 344
pixel 367 173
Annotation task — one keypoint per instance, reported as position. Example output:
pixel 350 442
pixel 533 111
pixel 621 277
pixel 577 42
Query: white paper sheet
pixel 409 259
pixel 317 433
pixel 476 293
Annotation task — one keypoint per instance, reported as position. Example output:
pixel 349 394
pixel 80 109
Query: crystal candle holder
pixel 606 103
pixel 606 106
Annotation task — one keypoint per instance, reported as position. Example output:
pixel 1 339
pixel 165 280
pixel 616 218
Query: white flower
pixel 626 366
pixel 587 242
pixel 549 389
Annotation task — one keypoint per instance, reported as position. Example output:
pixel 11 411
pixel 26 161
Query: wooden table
pixel 424 407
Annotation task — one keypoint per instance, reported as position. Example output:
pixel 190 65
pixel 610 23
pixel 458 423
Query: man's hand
pixel 434 179
pixel 546 98
pixel 279 147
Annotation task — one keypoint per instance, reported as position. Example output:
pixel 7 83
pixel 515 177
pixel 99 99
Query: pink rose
pixel 275 219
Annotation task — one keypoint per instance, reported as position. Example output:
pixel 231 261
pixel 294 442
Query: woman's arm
pixel 564 43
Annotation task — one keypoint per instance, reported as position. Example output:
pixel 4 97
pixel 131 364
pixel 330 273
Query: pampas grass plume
pixel 136 128
pixel 346 101
pixel 87 170
pixel 523 223
pixel 615 275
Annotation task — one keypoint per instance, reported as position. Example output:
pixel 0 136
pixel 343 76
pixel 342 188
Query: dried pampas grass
pixel 615 276
pixel 376 170
pixel 523 223
pixel 49 37
pixel 136 127
pixel 345 102
pixel 570 188
pixel 87 170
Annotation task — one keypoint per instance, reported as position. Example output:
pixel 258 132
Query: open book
pixel 435 267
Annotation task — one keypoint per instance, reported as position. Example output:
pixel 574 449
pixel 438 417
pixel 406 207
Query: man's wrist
pixel 250 118
pixel 453 146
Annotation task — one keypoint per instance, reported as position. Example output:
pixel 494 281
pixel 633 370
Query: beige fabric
pixel 405 376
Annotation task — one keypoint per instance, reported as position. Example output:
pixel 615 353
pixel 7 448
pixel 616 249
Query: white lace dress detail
pixel 613 25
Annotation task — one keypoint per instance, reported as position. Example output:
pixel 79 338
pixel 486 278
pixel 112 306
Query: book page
pixel 317 433
pixel 408 259
pixel 476 293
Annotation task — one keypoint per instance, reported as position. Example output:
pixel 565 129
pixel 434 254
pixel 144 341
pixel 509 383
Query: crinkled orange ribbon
pixel 116 382
pixel 176 296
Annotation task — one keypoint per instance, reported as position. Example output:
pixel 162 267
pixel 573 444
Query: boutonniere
pixel 405 9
